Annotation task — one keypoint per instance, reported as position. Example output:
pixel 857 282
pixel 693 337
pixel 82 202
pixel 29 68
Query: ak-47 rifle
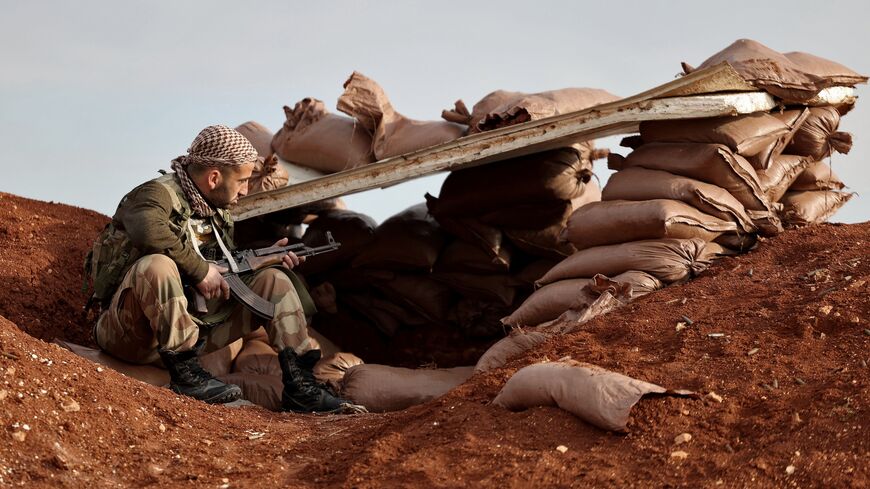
pixel 249 261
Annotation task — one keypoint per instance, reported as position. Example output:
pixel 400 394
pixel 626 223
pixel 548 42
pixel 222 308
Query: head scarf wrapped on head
pixel 215 146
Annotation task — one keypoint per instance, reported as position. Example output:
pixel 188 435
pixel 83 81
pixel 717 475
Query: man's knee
pixel 157 267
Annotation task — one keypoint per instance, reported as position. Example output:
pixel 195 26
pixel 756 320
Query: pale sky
pixel 96 96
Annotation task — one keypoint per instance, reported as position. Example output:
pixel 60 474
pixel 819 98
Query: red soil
pixel 800 302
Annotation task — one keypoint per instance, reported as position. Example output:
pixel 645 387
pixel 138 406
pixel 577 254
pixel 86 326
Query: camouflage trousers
pixel 149 311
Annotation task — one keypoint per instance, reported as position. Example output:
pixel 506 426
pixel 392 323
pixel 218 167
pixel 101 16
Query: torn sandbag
pixel 381 388
pixel 513 345
pixel 669 260
pixel 817 137
pixel 392 133
pixel 812 207
pixel 487 104
pixel 331 369
pixel 353 230
pixel 817 176
pixel 781 174
pixel 642 184
pixel 758 137
pixel 408 241
pixel 595 395
pixel 619 221
pixel 260 137
pixel 551 300
pixel 710 163
pixel 463 257
pixel 536 106
pixel 796 78
pixel 315 138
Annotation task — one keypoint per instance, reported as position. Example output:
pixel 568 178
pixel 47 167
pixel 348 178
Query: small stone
pixel 826 310
pixel 680 326
pixel 3 394
pixel 561 449
pixel 19 435
pixel 789 470
pixel 225 480
pixel 162 428
pixel 796 418
pixel 99 369
pixel 682 438
pixel 679 455
pixel 753 351
pixel 70 405
pixel 207 442
pixel 715 397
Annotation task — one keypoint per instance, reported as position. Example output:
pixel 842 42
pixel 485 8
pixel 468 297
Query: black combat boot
pixel 190 379
pixel 302 393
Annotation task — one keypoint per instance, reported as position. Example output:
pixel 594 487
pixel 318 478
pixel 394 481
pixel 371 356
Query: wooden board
pixel 684 98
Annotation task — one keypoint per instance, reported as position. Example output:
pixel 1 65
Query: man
pixel 161 239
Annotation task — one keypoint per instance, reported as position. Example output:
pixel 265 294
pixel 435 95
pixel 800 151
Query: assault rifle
pixel 249 261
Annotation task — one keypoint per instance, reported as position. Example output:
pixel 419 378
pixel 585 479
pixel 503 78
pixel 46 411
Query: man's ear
pixel 214 178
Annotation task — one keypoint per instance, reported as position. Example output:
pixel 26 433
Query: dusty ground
pixel 791 370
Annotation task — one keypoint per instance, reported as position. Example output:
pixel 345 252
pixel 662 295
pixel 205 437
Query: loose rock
pixel 715 397
pixel 679 455
pixel 561 449
pixel 682 438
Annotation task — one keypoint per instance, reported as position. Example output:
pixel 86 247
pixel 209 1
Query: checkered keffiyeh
pixel 214 146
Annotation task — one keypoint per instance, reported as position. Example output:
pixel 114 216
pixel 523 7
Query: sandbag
pixel 267 175
pixel 381 388
pixel 220 361
pixel 619 221
pixel 641 184
pixel 811 207
pixel 464 257
pixel 532 107
pixel 758 137
pixel 393 133
pixel 555 175
pixel 487 104
pixel 262 390
pixel 795 78
pixel 315 138
pixel 355 232
pixel 478 319
pixel 535 215
pixel 595 395
pixel 408 241
pixel 419 292
pixel 550 301
pixel 710 163
pixel 669 260
pixel 509 347
pixel 331 369
pixel 817 137
pixel 386 315
pixel 257 357
pixel 499 288
pixel 817 176
pixel 149 374
pixel 530 273
pixel 260 137
pixel 469 229
pixel 777 179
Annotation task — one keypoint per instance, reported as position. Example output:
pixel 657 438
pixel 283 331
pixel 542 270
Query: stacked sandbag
pixel 392 133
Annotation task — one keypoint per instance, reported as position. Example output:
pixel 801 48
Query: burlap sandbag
pixel 388 316
pixel 555 175
pixel 267 175
pixel 817 137
pixel 795 78
pixel 513 345
pixel 757 137
pixel 315 138
pixel 669 260
pixel 460 114
pixel 620 221
pixel 811 207
pixel 500 288
pixel 355 232
pixel 550 301
pixel 149 374
pixel 259 135
pixel 530 273
pixel 532 107
pixel 461 256
pixel 817 176
pixel 262 390
pixel 257 357
pixel 381 388
pixel 478 319
pixel 419 292
pixel 642 184
pixel 393 133
pixel 777 179
pixel 710 163
pixel 331 369
pixel 533 215
pixel 408 241
pixel 595 395
pixel 469 229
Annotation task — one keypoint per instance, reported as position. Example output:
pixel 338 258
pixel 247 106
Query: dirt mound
pixel 779 334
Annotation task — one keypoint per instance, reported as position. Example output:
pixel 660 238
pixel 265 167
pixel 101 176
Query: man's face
pixel 231 186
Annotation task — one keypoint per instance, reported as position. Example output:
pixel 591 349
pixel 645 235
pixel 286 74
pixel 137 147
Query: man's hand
pixel 290 260
pixel 214 285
